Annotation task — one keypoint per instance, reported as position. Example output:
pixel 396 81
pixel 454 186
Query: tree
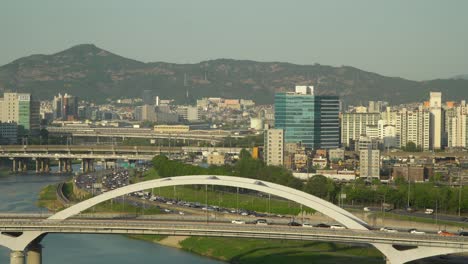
pixel 411 147
pixel 317 185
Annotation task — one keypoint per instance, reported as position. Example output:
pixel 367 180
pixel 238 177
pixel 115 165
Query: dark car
pixel 292 223
pixel 322 225
pixel 463 233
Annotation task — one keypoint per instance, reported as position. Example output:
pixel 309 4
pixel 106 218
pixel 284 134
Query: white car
pixel 429 211
pixel 416 232
pixel 238 222
pixel 367 209
pixel 337 227
pixel 389 230
pixel 307 225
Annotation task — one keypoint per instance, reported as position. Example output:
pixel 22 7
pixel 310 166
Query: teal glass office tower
pixel 308 119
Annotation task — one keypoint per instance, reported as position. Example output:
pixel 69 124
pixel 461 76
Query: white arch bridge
pixel 20 235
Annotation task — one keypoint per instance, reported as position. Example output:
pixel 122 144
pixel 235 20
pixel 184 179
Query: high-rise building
pixel 21 109
pixel 437 129
pixel 188 113
pixel 308 119
pixel 353 125
pixel 274 147
pixel 387 134
pixel 65 107
pixel 413 126
pixel 369 163
pixel 148 97
pixel 456 125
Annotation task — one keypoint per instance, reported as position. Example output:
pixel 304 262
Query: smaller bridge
pixel 42 154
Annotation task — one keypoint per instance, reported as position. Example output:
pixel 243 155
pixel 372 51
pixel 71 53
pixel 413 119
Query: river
pixel 19 193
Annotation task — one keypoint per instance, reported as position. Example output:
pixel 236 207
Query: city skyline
pixel 392 39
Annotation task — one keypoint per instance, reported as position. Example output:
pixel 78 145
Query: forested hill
pixel 93 73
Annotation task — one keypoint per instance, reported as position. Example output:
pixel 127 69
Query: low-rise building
pixel 215 158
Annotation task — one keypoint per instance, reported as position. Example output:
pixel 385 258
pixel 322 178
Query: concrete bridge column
pixel 20 165
pixel 70 168
pixel 47 166
pixel 34 255
pixel 64 165
pixel 14 168
pixel 41 169
pixel 37 165
pixel 91 162
pixel 25 165
pixel 59 166
pixel 86 165
pixel 16 257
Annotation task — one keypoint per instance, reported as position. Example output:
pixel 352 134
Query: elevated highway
pixel 196 135
pixel 42 154
pixel 177 227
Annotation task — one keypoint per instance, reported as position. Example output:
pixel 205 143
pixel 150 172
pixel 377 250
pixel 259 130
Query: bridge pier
pixel 34 255
pixel 47 165
pixel 16 257
pixel 14 169
pixel 59 166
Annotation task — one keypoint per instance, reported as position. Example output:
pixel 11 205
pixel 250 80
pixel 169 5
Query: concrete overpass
pixel 148 133
pixel 42 154
pixel 19 240
pixel 217 229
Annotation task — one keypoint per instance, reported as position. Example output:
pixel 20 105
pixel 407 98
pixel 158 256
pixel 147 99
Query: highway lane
pixel 199 228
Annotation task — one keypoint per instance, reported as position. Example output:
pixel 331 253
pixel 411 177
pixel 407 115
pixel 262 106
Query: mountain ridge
pixel 95 74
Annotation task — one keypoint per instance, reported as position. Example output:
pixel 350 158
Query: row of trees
pixel 422 195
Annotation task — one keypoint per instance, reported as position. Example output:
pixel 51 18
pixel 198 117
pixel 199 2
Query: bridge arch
pixel 340 215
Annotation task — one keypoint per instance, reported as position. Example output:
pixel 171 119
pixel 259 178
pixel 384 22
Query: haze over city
pixel 417 40
pixel 247 132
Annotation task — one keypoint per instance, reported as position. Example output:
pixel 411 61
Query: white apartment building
pixel 353 125
pixel 456 125
pixel 369 163
pixel 436 130
pixel 274 147
pixel 413 126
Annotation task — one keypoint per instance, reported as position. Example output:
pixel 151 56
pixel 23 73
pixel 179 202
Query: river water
pixel 18 193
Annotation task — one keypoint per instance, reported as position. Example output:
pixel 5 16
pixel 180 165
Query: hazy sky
pixel 415 39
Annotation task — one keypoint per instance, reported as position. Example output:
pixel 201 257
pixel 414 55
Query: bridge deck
pixel 217 229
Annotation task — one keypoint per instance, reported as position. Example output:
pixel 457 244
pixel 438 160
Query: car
pixel 389 230
pixel 445 233
pixel 261 222
pixel 416 232
pixel 307 225
pixel 292 223
pixel 463 233
pixel 238 222
pixel 367 209
pixel 322 225
pixel 409 209
pixel 337 227
pixel 181 213
pixel 429 211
